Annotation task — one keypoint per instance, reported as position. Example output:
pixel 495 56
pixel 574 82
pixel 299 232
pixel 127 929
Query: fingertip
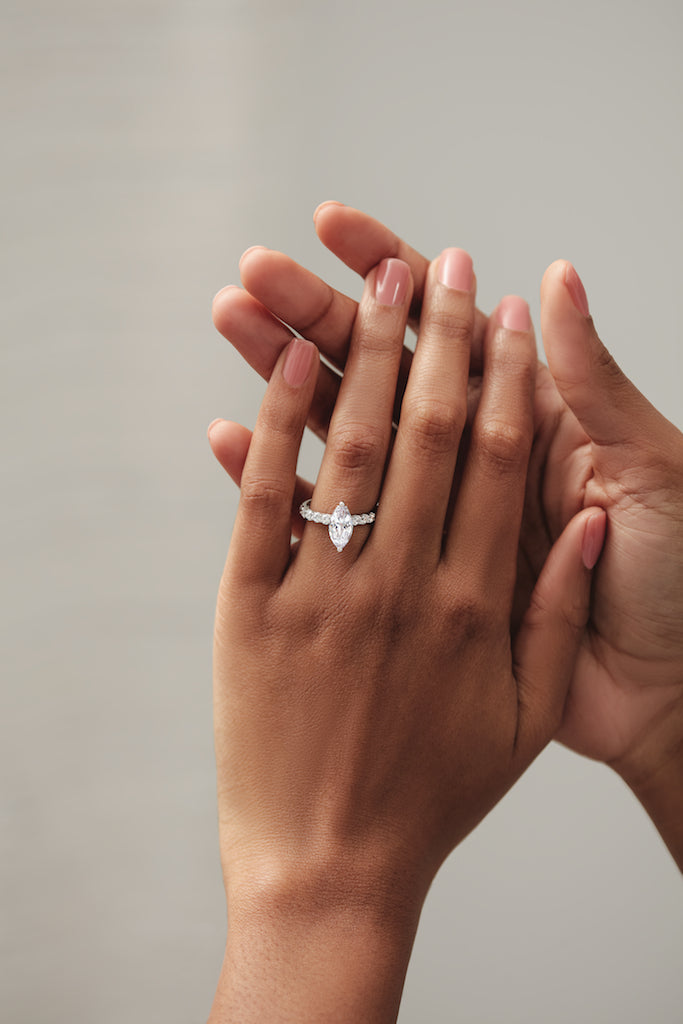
pixel 248 252
pixel 321 206
pixel 566 337
pixel 230 446
pixel 554 274
pixel 220 300
pixel 212 425
pixel 561 279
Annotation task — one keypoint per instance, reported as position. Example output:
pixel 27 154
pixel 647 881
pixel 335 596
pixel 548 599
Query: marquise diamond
pixel 341 527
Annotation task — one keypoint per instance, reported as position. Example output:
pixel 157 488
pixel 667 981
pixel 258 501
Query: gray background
pixel 145 145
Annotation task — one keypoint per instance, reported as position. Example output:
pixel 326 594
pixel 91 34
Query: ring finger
pixel 360 430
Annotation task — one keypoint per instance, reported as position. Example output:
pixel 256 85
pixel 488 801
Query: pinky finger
pixel 230 444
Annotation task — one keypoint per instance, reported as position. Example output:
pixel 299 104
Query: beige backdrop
pixel 146 143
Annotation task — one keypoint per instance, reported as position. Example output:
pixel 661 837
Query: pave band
pixel 340 522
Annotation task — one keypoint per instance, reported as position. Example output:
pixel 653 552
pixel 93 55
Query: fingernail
pixel 391 283
pixel 298 362
pixel 455 270
pixel 212 424
pixel 593 539
pixel 252 248
pixel 513 313
pixel 576 290
pixel 328 202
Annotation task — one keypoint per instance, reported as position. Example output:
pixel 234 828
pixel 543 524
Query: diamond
pixel 341 527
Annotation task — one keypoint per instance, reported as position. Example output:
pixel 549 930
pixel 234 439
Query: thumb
pixel 553 626
pixel 609 407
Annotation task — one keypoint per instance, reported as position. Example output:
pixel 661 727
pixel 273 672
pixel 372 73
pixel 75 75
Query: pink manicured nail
pixel 513 314
pixel 576 290
pixel 593 539
pixel 391 283
pixel 298 362
pixel 212 424
pixel 455 270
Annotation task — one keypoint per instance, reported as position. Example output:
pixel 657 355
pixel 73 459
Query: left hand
pixel 597 440
pixel 370 707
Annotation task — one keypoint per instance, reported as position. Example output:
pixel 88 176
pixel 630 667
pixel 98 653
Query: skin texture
pixel 597 441
pixel 372 705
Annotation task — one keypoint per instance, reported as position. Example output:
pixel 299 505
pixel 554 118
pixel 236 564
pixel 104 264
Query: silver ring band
pixel 340 522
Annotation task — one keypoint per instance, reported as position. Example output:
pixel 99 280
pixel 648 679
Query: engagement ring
pixel 340 523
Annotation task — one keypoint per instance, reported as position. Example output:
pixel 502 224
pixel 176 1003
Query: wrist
pixel 314 951
pixel 379 877
pixel 653 770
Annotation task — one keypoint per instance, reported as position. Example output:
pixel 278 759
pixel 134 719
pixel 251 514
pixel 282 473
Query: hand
pixel 597 441
pixel 370 707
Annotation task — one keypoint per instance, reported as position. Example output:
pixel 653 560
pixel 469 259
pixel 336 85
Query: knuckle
pixel 615 381
pixel 571 614
pixel 263 495
pixel 278 419
pixel 376 340
pixel 519 365
pixel 467 613
pixel 435 426
pixel 574 616
pixel 468 617
pixel 315 320
pixel 514 355
pixel 450 324
pixel 357 447
pixel 503 445
pixel 603 360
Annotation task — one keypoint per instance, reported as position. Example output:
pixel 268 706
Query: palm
pixel 629 668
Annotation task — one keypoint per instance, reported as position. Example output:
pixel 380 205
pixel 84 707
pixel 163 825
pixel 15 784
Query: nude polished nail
pixel 593 539
pixel 455 270
pixel 298 362
pixel 576 290
pixel 513 313
pixel 391 282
